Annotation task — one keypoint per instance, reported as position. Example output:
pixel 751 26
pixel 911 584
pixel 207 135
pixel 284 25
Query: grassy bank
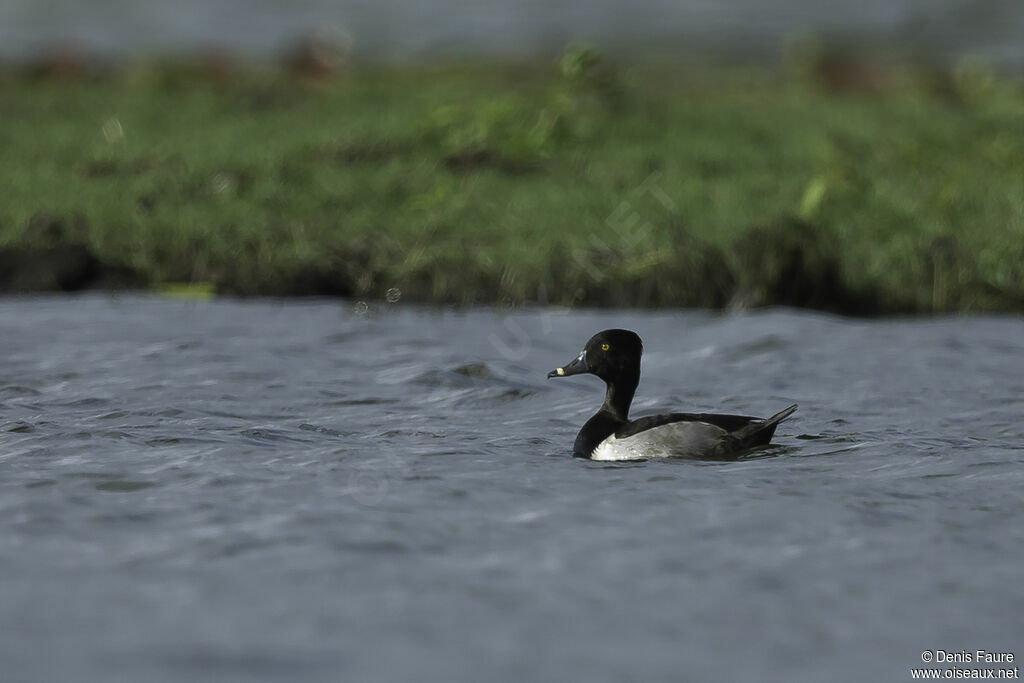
pixel 856 189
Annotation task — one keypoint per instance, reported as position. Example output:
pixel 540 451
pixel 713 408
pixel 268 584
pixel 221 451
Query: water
pixel 315 491
pixel 944 28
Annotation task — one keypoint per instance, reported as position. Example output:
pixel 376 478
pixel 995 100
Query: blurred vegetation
pixel 837 183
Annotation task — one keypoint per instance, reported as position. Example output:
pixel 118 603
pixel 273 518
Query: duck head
pixel 612 355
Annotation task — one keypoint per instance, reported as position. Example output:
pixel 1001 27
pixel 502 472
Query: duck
pixel 614 356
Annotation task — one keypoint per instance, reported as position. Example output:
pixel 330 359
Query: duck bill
pixel 577 367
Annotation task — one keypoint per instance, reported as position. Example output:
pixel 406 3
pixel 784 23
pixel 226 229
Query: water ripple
pixel 191 483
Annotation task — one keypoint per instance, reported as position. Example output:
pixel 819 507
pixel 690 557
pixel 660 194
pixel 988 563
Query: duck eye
pixel 605 347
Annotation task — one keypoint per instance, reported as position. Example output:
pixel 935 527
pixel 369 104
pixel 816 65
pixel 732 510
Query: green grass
pixel 530 183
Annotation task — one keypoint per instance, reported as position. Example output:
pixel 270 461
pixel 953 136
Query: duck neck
pixel 619 396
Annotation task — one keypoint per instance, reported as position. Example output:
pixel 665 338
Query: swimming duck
pixel 614 356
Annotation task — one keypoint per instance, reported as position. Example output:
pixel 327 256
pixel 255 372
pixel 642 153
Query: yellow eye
pixel 605 347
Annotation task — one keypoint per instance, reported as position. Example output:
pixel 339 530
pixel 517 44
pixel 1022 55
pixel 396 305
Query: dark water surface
pixel 312 491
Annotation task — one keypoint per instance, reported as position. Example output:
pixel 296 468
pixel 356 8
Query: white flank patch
pixel 614 449
pixel 683 439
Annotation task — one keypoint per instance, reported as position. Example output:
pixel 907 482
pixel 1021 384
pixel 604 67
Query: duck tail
pixel 761 432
